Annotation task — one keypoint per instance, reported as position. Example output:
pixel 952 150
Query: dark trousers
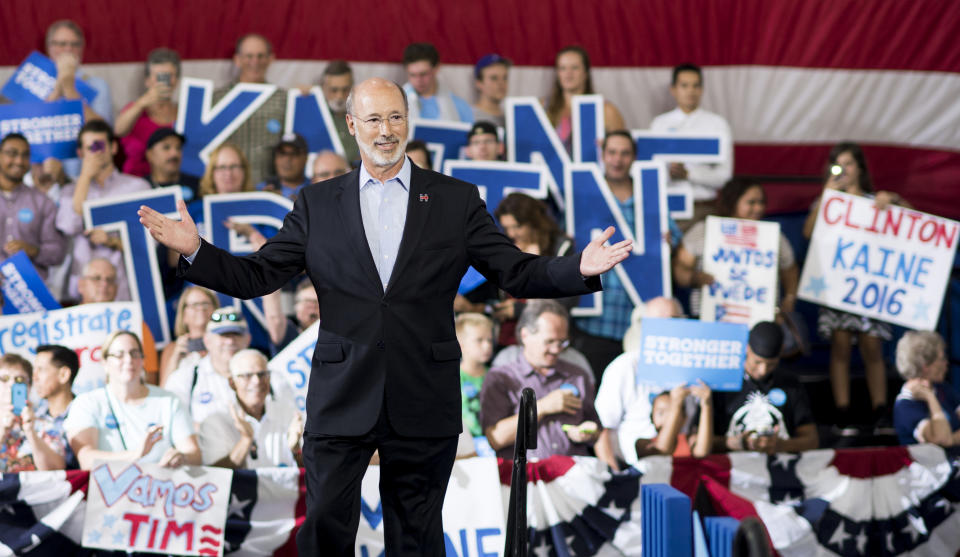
pixel 414 472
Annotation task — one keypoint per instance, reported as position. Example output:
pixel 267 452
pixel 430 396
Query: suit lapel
pixel 352 222
pixel 417 212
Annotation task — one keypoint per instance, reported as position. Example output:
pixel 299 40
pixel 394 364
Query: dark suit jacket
pixel 399 344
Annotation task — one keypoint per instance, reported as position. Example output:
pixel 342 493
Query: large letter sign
pixel 255 208
pixel 206 126
pixel 140 255
pixel 683 147
pixel 591 207
pixel 531 138
pixel 444 139
pixel 496 179
pixel 309 116
pixel 890 264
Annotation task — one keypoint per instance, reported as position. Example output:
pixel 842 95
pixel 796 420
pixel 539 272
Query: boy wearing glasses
pixel 256 430
pixel 566 417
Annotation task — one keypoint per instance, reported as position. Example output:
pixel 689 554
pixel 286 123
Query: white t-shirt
pixel 212 392
pixel 704 179
pixel 122 426
pixel 218 435
pixel 624 406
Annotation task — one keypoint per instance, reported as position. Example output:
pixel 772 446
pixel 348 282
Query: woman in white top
pixel 128 419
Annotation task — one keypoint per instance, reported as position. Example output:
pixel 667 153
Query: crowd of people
pixel 209 397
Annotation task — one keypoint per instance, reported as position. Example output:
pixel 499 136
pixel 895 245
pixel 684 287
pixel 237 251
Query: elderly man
pixel 336 82
pixel 385 247
pixel 566 418
pixel 623 404
pixel 203 383
pixel 65 42
pixel 251 59
pixel 27 216
pixel 256 430
pixel 98 179
pixel 326 165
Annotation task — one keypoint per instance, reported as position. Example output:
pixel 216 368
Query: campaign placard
pixel 294 362
pixel 23 289
pixel 82 328
pixel 50 128
pixel 681 351
pixel 742 256
pixel 36 78
pixel 147 507
pixel 891 264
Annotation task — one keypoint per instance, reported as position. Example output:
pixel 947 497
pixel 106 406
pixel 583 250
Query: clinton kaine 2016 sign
pixel 890 264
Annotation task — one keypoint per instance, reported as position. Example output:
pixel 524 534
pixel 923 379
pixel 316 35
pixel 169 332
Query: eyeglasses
pixel 16 153
pixel 374 122
pixel 557 343
pixel 330 173
pixel 227 168
pixel 263 375
pixel 134 354
pixel 199 305
pixel 66 44
pixel 14 378
pixel 218 317
pixel 99 278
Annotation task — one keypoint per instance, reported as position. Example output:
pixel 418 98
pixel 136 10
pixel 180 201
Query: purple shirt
pixel 500 398
pixel 71 224
pixel 28 215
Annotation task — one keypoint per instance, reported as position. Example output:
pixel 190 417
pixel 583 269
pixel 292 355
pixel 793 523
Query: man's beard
pixel 338 105
pixel 377 157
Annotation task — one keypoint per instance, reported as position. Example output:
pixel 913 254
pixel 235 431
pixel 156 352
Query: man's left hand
pixel 13 246
pixel 598 258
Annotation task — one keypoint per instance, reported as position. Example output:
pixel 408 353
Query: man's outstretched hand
pixel 180 236
pixel 598 258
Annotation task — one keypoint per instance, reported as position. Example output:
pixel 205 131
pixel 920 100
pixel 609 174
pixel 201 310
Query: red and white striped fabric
pixel 791 77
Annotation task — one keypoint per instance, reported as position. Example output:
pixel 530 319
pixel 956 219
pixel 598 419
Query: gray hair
pixel 89 265
pixel 163 56
pixel 243 354
pixel 354 88
pixel 69 24
pixel 916 350
pixel 534 309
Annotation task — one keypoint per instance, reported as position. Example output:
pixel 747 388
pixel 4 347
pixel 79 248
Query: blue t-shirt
pixel 909 412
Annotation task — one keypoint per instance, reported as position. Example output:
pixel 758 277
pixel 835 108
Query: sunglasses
pixel 220 317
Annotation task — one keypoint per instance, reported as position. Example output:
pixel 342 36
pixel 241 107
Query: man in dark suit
pixel 385 247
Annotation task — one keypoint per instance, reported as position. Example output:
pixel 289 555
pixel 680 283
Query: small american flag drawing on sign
pixel 739 234
pixel 733 313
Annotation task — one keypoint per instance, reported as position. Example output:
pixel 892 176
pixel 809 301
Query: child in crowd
pixel 668 417
pixel 475 334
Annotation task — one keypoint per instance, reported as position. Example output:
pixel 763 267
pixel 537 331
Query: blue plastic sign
pixel 50 128
pixel 35 80
pixel 23 289
pixel 681 351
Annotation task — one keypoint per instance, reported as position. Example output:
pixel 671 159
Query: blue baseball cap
pixel 489 60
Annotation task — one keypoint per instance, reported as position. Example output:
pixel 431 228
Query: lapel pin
pixel 424 198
